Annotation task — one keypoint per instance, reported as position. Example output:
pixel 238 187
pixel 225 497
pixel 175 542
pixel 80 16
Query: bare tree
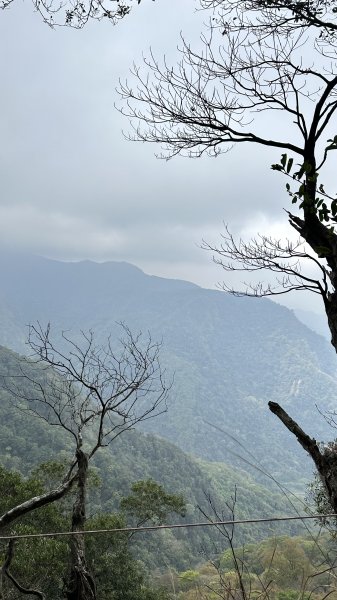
pixel 77 13
pixel 259 57
pixel 94 393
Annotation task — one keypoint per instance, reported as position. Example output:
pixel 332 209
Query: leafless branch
pixel 264 253
pixel 102 388
pixel 209 101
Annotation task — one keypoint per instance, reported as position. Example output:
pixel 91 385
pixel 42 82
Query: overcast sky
pixel 73 188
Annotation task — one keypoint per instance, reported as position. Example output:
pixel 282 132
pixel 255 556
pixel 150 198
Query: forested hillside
pixel 229 356
pixel 26 441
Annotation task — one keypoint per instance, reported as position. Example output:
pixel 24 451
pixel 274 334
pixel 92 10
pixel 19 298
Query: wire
pixel 161 527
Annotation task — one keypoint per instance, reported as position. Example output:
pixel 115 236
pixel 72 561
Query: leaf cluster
pixel 305 176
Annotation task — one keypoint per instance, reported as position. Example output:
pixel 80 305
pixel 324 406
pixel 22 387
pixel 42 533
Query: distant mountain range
pixel 315 321
pixel 230 356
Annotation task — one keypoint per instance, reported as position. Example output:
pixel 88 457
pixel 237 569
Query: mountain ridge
pixel 230 355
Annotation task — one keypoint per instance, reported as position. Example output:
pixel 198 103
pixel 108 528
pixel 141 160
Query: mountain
pixel 229 355
pixel 315 321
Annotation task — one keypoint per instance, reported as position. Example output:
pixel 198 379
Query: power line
pixel 162 527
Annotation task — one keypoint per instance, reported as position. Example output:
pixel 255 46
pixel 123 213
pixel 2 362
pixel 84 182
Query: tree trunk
pixel 323 241
pixel 325 462
pixel 80 585
pixel 331 313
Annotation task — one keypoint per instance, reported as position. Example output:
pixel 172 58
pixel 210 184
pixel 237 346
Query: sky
pixel 73 188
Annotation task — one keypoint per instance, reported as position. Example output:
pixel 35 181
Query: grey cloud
pixel 72 187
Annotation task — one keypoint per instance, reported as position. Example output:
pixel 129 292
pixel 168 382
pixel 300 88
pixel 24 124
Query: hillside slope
pixel 230 356
pixel 26 441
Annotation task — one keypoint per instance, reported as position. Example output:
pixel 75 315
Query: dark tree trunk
pixel 80 584
pixel 323 241
pixel 331 313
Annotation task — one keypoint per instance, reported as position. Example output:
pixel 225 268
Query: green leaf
pixel 301 190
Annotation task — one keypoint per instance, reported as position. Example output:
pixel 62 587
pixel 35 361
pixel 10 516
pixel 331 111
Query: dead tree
pixel 324 460
pixel 258 56
pixel 94 393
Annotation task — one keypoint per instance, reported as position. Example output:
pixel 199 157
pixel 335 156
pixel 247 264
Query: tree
pixel 77 13
pixel 42 562
pixel 39 562
pixel 149 501
pixel 260 57
pixel 94 394
pixel 209 101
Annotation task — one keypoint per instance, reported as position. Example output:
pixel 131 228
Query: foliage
pixel 93 393
pixel 26 442
pixel 149 501
pixel 210 100
pixel 279 568
pixel 37 562
pixel 41 563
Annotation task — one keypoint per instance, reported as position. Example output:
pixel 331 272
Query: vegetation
pixel 93 394
pixel 42 563
pixel 278 568
pixel 224 352
pixel 259 57
pixel 25 442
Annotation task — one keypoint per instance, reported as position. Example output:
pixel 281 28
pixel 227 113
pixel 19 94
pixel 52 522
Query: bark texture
pixel 80 585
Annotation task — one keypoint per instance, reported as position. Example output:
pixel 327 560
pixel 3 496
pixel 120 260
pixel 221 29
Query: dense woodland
pixel 184 563
pixel 197 564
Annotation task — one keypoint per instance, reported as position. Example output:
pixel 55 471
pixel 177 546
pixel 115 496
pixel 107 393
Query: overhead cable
pixel 149 528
